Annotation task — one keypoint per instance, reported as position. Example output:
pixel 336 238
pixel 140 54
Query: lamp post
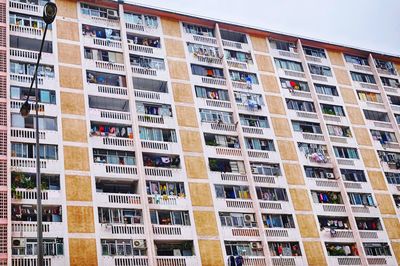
pixel 49 14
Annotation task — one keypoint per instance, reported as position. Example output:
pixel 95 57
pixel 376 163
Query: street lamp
pixel 49 14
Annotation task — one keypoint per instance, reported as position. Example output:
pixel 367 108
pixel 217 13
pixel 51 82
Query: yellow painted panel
pixel 369 158
pixel 200 194
pixel 287 150
pixel 264 63
pixel 300 199
pixel 377 180
pixel 307 226
pixel 74 130
pixel 314 253
pixel 396 249
pixel 171 27
pixel 355 115
pixel 72 103
pixel 78 188
pixel 178 70
pixel 211 253
pixel 269 83
pixel 174 48
pixel 67 8
pixel 69 54
pixel 385 203
pixel 80 219
pixel 362 136
pixel 76 158
pixel 281 127
pixel 206 224
pixel 186 116
pixel 182 92
pixel 195 167
pixel 259 44
pixel 348 95
pixel 191 141
pixel 336 58
pixel 275 105
pixel 71 77
pixel 342 77
pixel 392 226
pixel 293 174
pixel 67 30
pixel 82 251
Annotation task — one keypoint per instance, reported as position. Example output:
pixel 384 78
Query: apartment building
pixel 172 140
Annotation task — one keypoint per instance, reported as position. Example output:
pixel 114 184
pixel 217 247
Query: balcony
pixel 288 261
pixel 284 73
pixel 205 103
pixel 161 121
pixel 145 72
pixel 29 229
pixel 29 165
pixel 240 233
pixel 145 50
pixel 317 59
pixel 339 235
pixel 140 28
pixel 200 38
pixel 236 45
pixel 112 143
pixel 117 200
pixel 320 183
pixel 26 8
pixel 29 32
pixel 298 94
pixel 223 152
pixel 114 170
pixel 207 81
pixel 29 196
pixel 309 136
pixel 372 105
pixel 381 260
pixel 302 115
pixel 356 67
pixel 256 131
pixel 336 119
pixel 369 86
pixel 275 206
pixel 32 260
pixel 378 124
pixel 330 209
pixel 107 116
pixel 386 146
pixel 209 60
pixel 44 109
pixel 261 155
pixel 391 89
pixel 261 179
pixel 176 173
pixel 113 68
pixel 177 261
pixel 30 56
pixel 240 65
pixel 24 80
pixel 100 43
pixel 228 177
pixel 344 260
pixel 122 230
pixel 245 108
pixel 365 211
pixel 28 135
pixel 160 146
pixel 125 260
pixel 282 234
pixel 107 91
pixel 376 236
pixel 167 232
pixel 169 202
pixel 100 21
pixel 322 78
pixel 234 204
pixel 218 128
pixel 356 163
pixel 159 97
pixel 245 86
pixel 291 54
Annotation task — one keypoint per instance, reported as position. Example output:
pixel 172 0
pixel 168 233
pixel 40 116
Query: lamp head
pixel 25 109
pixel 49 12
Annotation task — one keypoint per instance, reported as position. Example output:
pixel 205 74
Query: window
pixel 221 140
pixel 243 77
pixel 30 44
pixel 306 127
pixel 294 85
pixel 52 247
pixel 119 216
pixel 27 21
pixel 233 36
pixel 326 197
pixel 113 157
pixel 105 79
pixel 121 247
pixel 245 98
pixel 395 100
pixel 369 97
pixel 335 222
pixel 339 131
pixel 390 157
pixel 202 50
pixel 164 217
pixel 108 103
pixel 45 96
pixel 390 82
pixel 149 41
pixel 347 153
pixel 45 123
pixel 300 105
pixel 364 199
pixel 235 248
pixel 265 169
pixel 318 172
pixel 206 71
pixel 27 150
pixel 158 160
pixel 259 144
pixel 356 60
pixel 288 65
pixel 157 134
pixel 341 249
pixel 94 11
pixel 271 194
pixel 320 70
pixel 361 77
pixel 283 45
pixel 198 30
pixel 396 199
pixel 232 192
pixel 238 56
pixel 213 116
pixel 211 93
pixel 326 90
pixel 110 130
pixel 368 223
pixel 232 219
pixel 104 56
pixel 138 19
pixel 278 220
pixel 311 148
pixel 376 116
pixel 385 65
pixel 383 136
pixel 313 51
pixel 393 178
pixel 353 175
pixel 284 248
pixel 23 68
pixel 332 110
pixel 377 249
pixel 226 166
pixel 147 62
pixel 164 110
pixel 100 32
pixel 253 121
pixel 165 188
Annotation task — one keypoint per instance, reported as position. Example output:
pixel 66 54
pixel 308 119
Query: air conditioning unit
pixel 112 14
pixel 249 218
pixel 139 243
pixel 330 175
pixel 18 242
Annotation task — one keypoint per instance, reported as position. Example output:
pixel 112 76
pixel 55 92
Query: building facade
pixel 173 140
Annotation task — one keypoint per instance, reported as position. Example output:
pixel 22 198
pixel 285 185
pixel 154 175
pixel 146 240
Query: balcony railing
pixel 29 229
pixel 31 194
pixel 122 229
pixel 176 261
pixel 144 49
pixel 117 198
pixel 125 261
pixel 26 30
pixel 168 201
pixel 26 7
pixel 28 260
pixel 142 28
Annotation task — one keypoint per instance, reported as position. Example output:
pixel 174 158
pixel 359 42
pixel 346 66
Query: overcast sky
pixel 368 24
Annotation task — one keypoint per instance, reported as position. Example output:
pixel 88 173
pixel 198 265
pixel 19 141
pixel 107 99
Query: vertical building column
pixel 206 243
pixel 5 171
pixel 78 185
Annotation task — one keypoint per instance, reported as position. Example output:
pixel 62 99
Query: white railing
pixel 287 261
pixel 362 68
pixel 382 124
pixel 325 98
pixel 167 200
pixel 390 89
pixel 112 90
pixel 147 94
pixel 25 6
pixel 27 133
pixel 200 38
pixel 119 198
pixel 303 94
pixel 233 177
pixel 360 209
pixel 276 233
pixel 288 54
pixel 27 30
pixel 326 183
pixel 248 232
pixel 264 179
pixel 214 81
pixel 113 141
pixel 233 44
pixel 31 194
pixel 224 127
pixel 295 74
pixel 258 154
pixel 368 234
pixel 121 169
pixel 208 59
pixel 338 139
pixel 346 162
pixel 28 227
pixel 241 85
pixel 131 26
pixel 155 145
pixel 24 53
pixel 176 261
pixel 369 86
pixel 270 205
pixel 236 64
pixel 319 78
pixel 254 261
pixel 18 104
pixel 107 43
pixel 25 78
pixel 151 119
pixel 333 208
pixel 252 130
pixel 219 104
pixel 144 71
pixel 156 171
pixel 303 114
pixel 352 185
pixel 228 151
pixel 239 203
pixel 345 260
pixel 313 59
pixel 142 48
pixel 310 136
pixel 106 21
pixel 175 230
pixel 115 115
pixel 109 66
pixel 28 163
pixel 30 261
pixel 333 118
pixel 124 229
pixel 126 261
